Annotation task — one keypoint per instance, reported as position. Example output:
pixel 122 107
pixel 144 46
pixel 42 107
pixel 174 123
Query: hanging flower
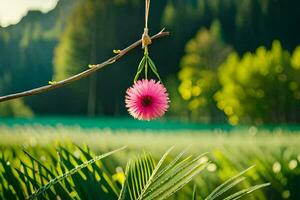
pixel 147 99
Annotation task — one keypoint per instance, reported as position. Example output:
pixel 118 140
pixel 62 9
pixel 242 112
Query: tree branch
pixel 81 75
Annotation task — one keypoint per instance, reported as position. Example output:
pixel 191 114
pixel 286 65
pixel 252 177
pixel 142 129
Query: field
pixel 276 154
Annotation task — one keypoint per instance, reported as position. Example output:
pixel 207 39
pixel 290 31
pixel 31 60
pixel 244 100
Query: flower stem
pixel 146 68
pixel 146 55
pixel 146 52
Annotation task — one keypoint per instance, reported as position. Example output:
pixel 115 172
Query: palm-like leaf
pixel 75 170
pixel 146 181
pixel 230 183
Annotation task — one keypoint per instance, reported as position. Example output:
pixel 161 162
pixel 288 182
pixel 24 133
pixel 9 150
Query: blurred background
pixel 231 67
pixel 228 61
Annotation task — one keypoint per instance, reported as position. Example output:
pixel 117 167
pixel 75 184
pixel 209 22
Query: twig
pixel 81 75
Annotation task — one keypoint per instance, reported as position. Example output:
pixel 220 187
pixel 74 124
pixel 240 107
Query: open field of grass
pixel 276 155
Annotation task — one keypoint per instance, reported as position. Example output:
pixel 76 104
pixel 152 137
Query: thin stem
pixel 146 68
pixel 146 52
pixel 81 75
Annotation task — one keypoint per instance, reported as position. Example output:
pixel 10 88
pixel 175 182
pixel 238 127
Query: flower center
pixel 147 101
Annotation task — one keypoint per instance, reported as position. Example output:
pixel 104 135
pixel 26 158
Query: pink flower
pixel 147 99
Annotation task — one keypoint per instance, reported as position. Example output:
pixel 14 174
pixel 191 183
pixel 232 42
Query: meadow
pixel 275 154
pixel 215 67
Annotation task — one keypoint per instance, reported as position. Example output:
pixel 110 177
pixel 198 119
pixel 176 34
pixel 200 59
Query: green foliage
pixel 143 178
pixel 278 167
pixel 261 87
pixel 146 180
pixel 72 56
pixel 26 52
pixel 32 179
pixel 229 184
pixel 110 189
pixel 15 108
pixel 198 74
pixel 276 156
pixel 27 49
pixel 177 104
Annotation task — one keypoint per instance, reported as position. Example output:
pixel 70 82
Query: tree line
pixel 51 48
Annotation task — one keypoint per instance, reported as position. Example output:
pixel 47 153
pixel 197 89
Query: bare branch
pixel 91 70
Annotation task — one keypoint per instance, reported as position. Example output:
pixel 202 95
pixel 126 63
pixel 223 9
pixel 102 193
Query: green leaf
pixel 14 180
pixel 247 191
pixel 140 68
pixel 69 173
pixel 153 68
pixel 139 174
pixel 220 189
pixel 228 187
pixel 175 181
pixel 124 186
pixel 105 179
pixel 230 183
pixel 145 180
pixel 38 162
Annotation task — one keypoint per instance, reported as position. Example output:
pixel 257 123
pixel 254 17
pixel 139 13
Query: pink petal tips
pixel 147 99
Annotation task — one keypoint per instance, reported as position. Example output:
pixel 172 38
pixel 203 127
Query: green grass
pixel 276 155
